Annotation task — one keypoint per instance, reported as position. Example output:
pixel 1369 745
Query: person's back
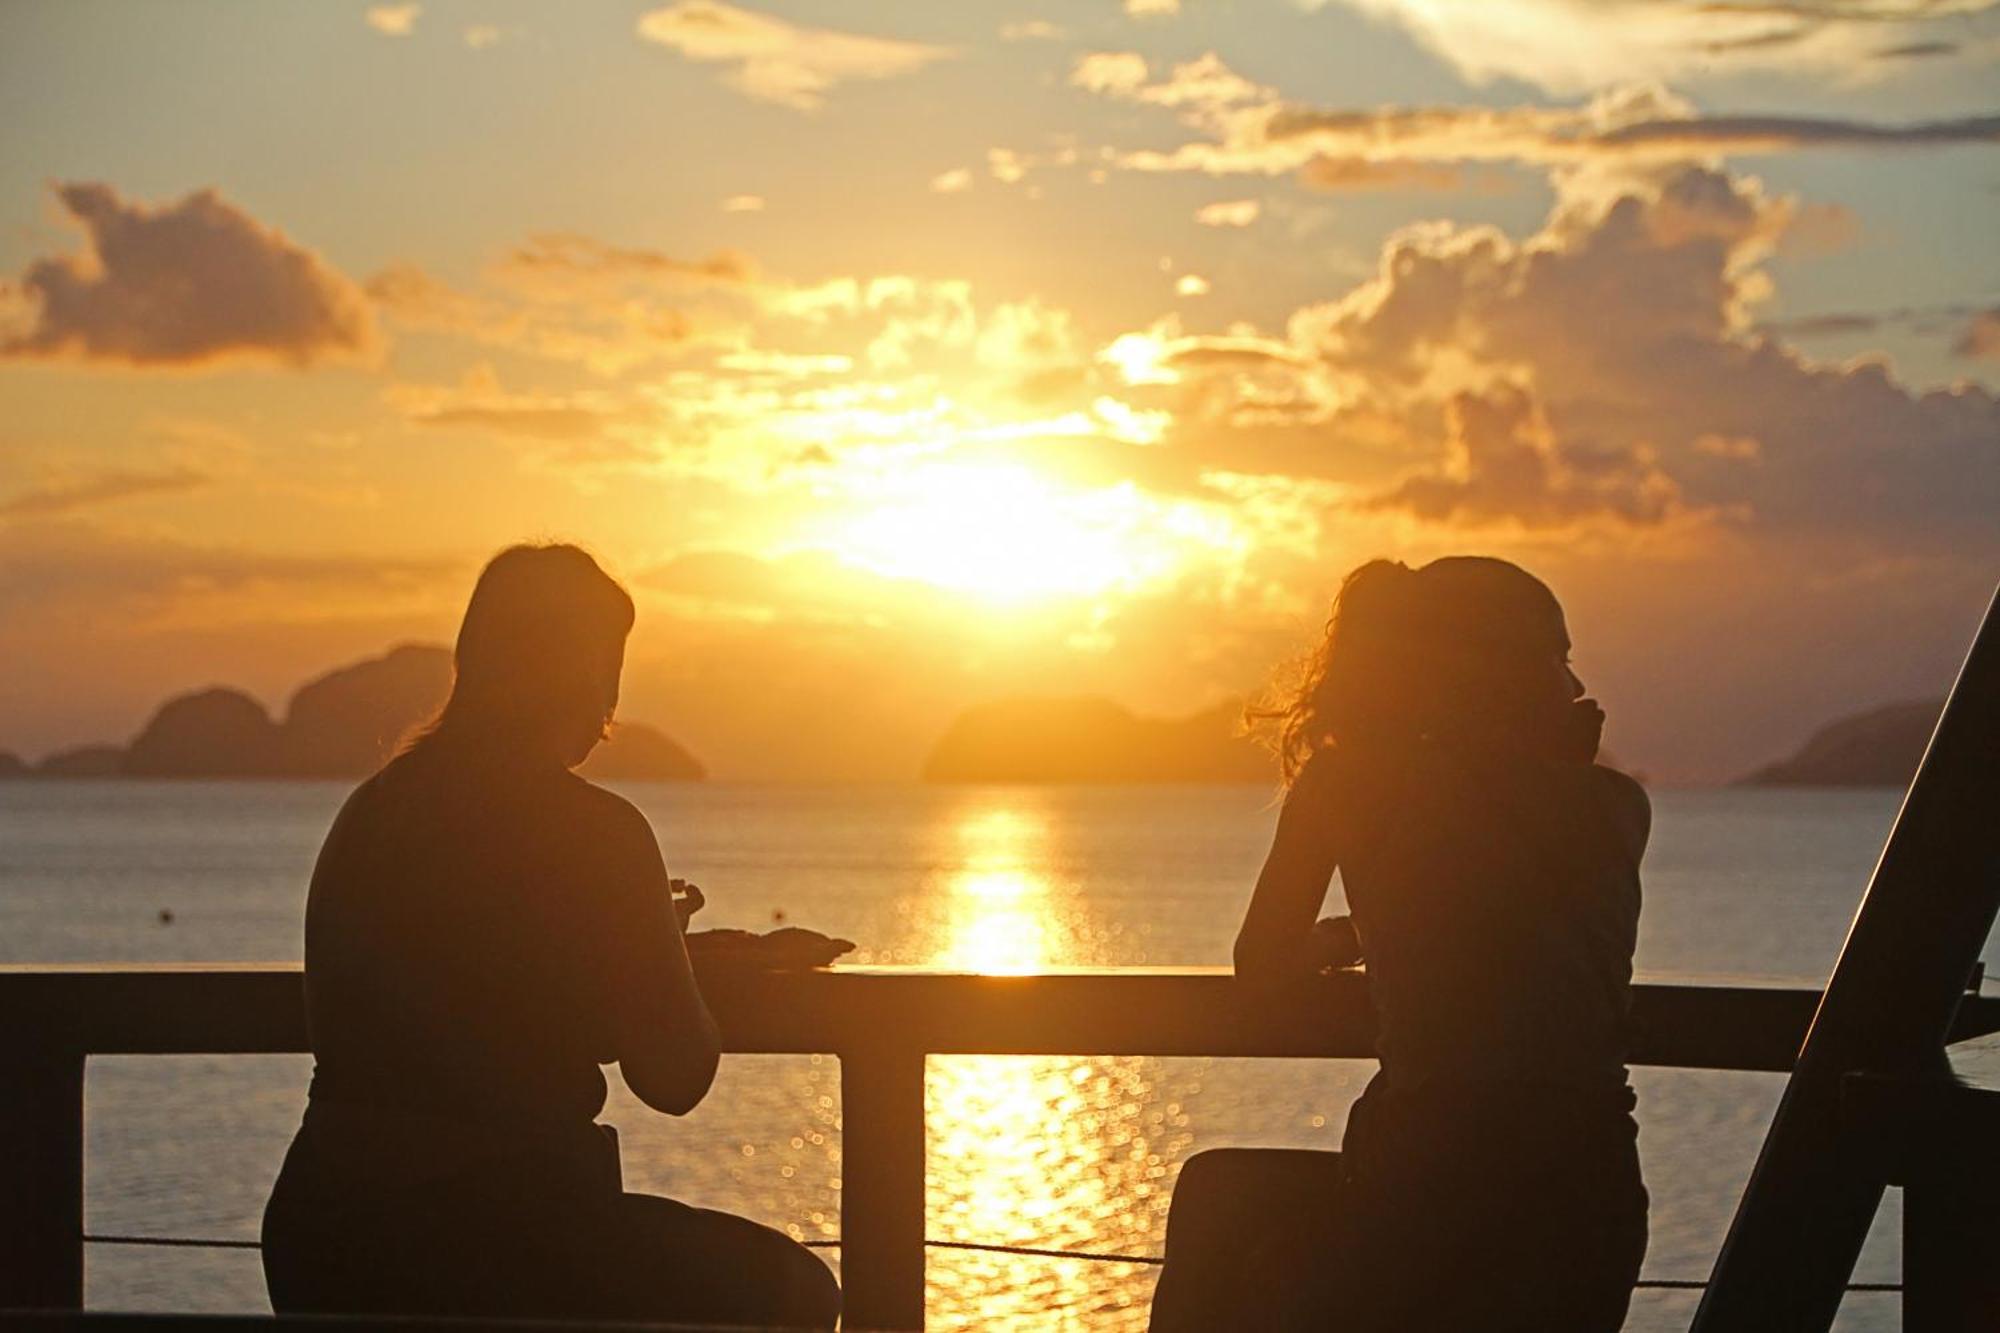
pixel 1496 903
pixel 1497 900
pixel 483 931
pixel 464 922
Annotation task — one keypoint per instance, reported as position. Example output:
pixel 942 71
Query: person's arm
pixel 1280 940
pixel 666 1041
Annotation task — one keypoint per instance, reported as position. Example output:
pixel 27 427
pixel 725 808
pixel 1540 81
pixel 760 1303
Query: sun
pixel 1004 533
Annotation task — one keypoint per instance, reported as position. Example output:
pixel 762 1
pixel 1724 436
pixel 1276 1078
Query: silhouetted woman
pixel 484 930
pixel 1440 756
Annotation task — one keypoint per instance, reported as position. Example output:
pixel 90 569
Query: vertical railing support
pixel 882 1188
pixel 41 1181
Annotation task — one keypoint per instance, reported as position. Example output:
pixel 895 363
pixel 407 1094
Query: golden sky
pixel 901 356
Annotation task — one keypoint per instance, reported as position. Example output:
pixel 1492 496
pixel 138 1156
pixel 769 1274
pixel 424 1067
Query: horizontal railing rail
pixel 881 1023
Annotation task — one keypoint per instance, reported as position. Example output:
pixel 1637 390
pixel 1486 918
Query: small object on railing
pixel 787 949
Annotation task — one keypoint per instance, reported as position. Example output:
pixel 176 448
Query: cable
pixel 1029 1251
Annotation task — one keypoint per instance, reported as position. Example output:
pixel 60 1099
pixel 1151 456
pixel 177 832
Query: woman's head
pixel 1466 649
pixel 539 654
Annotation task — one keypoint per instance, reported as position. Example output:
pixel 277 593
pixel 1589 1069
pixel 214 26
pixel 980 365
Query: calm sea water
pixel 1054 1152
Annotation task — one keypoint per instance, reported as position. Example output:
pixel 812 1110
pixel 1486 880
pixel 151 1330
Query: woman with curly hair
pixel 1439 754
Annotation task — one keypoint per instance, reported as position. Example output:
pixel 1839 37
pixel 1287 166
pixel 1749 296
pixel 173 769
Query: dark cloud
pixel 1917 51
pixel 1745 134
pixel 1386 146
pixel 1825 326
pixel 1630 320
pixel 1503 463
pixel 185 284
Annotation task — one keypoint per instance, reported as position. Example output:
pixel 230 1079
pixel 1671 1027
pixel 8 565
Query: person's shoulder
pixel 1630 806
pixel 621 824
pixel 368 797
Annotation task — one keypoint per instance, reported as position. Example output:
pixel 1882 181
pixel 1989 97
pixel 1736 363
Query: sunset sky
pixel 903 356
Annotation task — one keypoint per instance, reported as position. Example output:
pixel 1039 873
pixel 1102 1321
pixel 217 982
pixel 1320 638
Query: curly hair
pixel 1414 655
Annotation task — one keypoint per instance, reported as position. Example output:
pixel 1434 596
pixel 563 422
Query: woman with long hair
pixel 484 930
pixel 1439 754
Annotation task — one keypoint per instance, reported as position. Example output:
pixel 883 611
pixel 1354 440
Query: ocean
pixel 1055 1152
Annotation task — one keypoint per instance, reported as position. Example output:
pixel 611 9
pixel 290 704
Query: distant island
pixel 1094 740
pixel 344 724
pixel 1878 748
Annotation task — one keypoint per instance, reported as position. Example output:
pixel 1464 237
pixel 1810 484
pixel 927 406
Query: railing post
pixel 41 1183
pixel 882 1188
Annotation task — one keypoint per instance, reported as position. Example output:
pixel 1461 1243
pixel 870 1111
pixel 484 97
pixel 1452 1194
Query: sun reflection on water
pixel 1061 1152
pixel 999 910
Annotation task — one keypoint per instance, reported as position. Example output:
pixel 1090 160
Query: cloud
pixel 1229 213
pixel 562 264
pixel 1337 174
pixel 70 494
pixel 1570 46
pixel 1205 83
pixel 1622 407
pixel 1982 336
pixel 69 566
pixel 480 36
pixel 190 283
pixel 1639 125
pixel 1032 30
pixel 392 20
pixel 955 181
pixel 1191 284
pixel 1116 73
pixel 743 203
pixel 480 402
pixel 776 61
pixel 1502 461
pixel 1152 8
pixel 1771 134
pixel 593 326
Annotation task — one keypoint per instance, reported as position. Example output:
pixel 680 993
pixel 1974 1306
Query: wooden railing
pixel 881 1023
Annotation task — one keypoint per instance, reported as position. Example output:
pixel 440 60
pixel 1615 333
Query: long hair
pixel 544 630
pixel 1416 655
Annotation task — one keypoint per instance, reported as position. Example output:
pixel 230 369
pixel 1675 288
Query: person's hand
pixel 688 900
pixel 1585 731
pixel 1335 943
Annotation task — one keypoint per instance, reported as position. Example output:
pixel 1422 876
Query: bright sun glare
pixel 1005 533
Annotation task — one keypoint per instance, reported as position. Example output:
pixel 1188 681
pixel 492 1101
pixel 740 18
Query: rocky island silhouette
pixel 343 724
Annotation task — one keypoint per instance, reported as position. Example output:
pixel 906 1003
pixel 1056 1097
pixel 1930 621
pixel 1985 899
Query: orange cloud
pixel 1229 213
pixel 776 61
pixel 70 494
pixel 190 283
pixel 392 20
pixel 1982 336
